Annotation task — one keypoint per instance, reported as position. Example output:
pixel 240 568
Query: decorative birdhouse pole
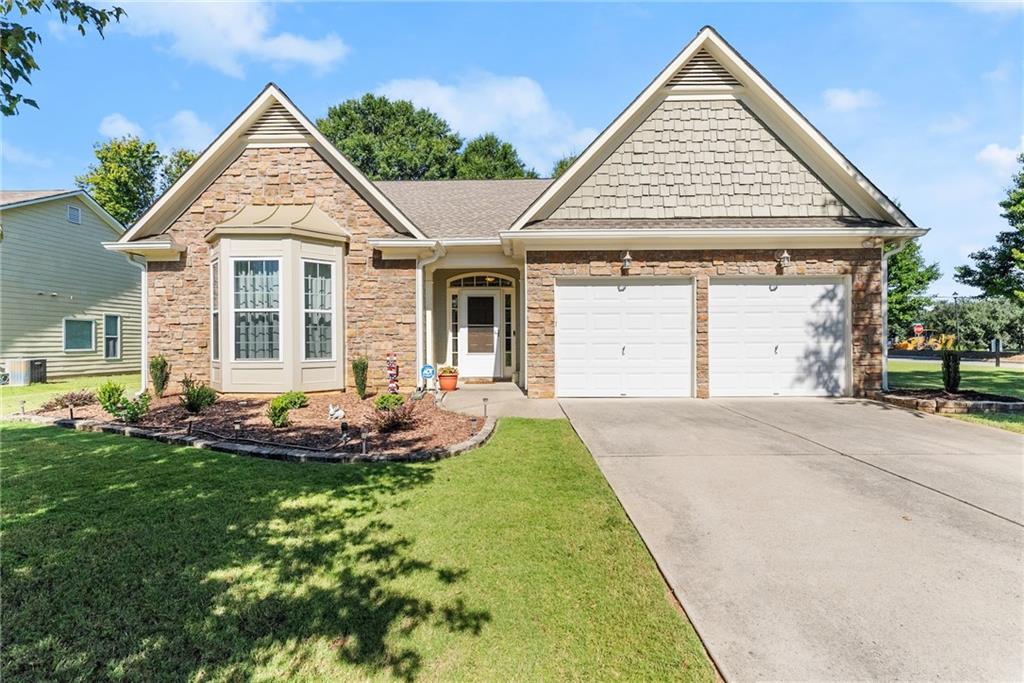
pixel 392 370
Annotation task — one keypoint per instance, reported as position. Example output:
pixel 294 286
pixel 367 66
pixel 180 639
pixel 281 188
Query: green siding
pixel 51 269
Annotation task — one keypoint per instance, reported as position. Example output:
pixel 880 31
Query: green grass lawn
pixel 1007 380
pixel 35 395
pixel 127 559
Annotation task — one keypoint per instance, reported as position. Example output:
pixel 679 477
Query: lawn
pixel 1007 380
pixel 128 559
pixel 35 395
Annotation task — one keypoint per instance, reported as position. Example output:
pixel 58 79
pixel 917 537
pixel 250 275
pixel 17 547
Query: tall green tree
pixel 999 269
pixel 979 321
pixel 562 164
pixel 909 280
pixel 488 157
pixel 175 163
pixel 392 139
pixel 18 41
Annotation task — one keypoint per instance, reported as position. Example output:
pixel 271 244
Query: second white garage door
pixel 777 337
pixel 623 338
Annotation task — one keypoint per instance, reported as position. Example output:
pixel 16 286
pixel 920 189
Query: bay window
pixel 257 310
pixel 318 310
pixel 215 310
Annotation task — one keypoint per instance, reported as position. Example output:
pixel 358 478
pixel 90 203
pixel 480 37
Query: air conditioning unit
pixel 20 371
pixel 37 371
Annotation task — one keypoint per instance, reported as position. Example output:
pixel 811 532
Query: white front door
pixel 478 334
pixel 623 337
pixel 778 337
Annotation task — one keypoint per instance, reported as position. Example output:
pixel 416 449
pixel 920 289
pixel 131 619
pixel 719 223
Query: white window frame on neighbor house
pixel 235 311
pixel 64 334
pixel 107 335
pixel 332 311
pixel 215 297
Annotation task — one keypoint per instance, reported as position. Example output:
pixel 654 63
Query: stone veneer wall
pixel 863 265
pixel 379 298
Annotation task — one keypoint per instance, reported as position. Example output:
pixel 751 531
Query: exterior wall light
pixel 783 258
pixel 627 262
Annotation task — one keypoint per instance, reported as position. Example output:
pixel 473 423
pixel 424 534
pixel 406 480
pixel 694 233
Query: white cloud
pixel 226 35
pixel 185 129
pixel 12 154
pixel 117 125
pixel 1002 160
pixel 513 107
pixel 845 99
pixel 999 74
pixel 950 125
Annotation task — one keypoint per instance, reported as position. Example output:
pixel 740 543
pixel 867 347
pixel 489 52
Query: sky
pixel 925 98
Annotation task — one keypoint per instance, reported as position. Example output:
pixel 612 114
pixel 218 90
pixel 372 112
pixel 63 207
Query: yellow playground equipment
pixel 928 340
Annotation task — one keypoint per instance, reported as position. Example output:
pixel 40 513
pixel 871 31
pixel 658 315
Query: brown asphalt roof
pixel 463 208
pixel 15 196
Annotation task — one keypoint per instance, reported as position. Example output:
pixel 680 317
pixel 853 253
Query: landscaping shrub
pixel 391 419
pixel 360 366
pixel 388 401
pixel 160 373
pixel 280 405
pixel 196 395
pixel 111 398
pixel 110 395
pixel 72 399
pixel 131 411
pixel 951 371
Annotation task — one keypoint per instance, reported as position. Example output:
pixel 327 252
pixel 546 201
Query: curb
pixel 282 453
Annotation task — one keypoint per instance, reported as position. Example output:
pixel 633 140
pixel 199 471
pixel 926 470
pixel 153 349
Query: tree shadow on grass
pixel 127 559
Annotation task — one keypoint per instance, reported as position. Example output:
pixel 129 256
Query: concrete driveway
pixel 813 539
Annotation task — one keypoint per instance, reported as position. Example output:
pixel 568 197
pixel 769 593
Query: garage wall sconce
pixel 784 259
pixel 627 262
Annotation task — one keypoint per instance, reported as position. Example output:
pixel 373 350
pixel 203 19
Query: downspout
pixel 421 263
pixel 143 267
pixel 886 255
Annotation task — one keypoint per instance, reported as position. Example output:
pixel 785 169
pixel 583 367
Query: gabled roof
pixel 463 208
pixel 270 119
pixel 12 199
pixel 709 68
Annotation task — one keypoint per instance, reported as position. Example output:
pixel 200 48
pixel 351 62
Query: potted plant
pixel 448 377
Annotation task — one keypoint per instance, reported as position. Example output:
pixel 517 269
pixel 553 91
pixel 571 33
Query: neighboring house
pixel 710 242
pixel 63 297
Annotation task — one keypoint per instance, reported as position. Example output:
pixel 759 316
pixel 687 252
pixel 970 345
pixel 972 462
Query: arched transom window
pixel 481 281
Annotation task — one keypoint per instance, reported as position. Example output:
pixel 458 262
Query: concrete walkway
pixel 503 399
pixel 826 540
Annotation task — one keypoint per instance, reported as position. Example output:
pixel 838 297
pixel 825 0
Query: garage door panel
pixel 617 338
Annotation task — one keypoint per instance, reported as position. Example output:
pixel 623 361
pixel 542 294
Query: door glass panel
pixel 480 324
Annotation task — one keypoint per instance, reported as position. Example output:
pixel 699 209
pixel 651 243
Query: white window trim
pixel 215 332
pixel 280 316
pixel 120 336
pixel 64 334
pixel 334 312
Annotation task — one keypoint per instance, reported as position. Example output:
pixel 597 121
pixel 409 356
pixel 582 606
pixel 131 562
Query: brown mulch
pixel 434 428
pixel 957 396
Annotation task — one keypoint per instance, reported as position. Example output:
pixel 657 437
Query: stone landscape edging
pixel 285 453
pixel 948 406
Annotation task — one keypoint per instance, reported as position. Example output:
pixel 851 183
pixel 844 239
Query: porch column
pixel 429 314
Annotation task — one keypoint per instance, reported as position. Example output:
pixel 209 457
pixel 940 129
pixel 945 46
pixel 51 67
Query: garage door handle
pixel 623 350
pixel 776 349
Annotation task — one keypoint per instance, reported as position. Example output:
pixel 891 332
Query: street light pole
pixel 956 316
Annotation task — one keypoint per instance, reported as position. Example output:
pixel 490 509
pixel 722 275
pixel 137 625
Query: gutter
pixel 438 251
pixel 886 255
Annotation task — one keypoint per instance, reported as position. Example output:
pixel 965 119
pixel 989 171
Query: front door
pixel 478 334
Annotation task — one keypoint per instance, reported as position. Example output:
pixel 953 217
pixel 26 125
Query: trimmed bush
pixel 360 366
pixel 159 373
pixel 110 395
pixel 391 419
pixel 72 399
pixel 280 405
pixel 951 371
pixel 134 410
pixel 388 401
pixel 196 395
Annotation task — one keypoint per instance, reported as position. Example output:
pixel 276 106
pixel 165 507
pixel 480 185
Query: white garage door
pixel 623 338
pixel 777 337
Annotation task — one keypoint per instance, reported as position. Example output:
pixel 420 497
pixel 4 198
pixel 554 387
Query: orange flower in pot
pixel 448 377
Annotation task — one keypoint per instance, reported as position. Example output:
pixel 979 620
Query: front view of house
pixel 710 242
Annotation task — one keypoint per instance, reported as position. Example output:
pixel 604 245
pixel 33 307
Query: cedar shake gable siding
pixel 378 298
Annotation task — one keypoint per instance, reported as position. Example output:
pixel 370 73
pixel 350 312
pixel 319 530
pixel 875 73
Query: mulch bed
pixel 957 396
pixel 310 427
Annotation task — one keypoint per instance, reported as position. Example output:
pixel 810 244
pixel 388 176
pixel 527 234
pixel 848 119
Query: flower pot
pixel 448 382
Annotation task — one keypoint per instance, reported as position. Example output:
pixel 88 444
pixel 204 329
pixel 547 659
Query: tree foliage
pixel 128 174
pixel 392 139
pixel 999 269
pixel 488 157
pixel 980 321
pixel 18 41
pixel 562 164
pixel 909 280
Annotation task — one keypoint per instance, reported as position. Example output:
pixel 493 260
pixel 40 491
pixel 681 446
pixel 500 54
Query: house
pixel 709 242
pixel 63 297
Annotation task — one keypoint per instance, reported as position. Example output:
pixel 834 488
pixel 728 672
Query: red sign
pixel 918 329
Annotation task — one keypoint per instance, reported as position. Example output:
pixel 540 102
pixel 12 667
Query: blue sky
pixel 925 98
